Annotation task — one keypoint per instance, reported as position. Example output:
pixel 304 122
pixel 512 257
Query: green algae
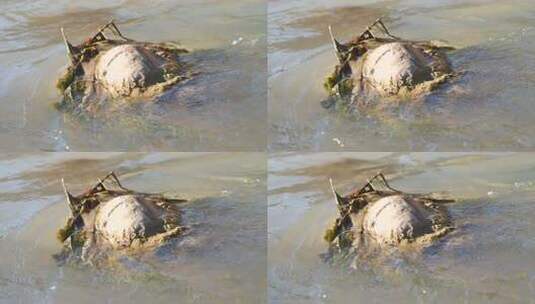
pixel 65 232
pixel 65 80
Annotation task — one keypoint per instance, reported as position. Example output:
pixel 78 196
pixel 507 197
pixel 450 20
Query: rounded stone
pixel 125 68
pixel 394 218
pixel 393 66
pixel 125 218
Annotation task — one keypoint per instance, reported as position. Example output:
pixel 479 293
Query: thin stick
pixel 68 196
pixel 368 30
pixel 117 31
pixel 112 174
pixel 385 182
pixel 95 188
pixel 367 185
pixel 100 33
pixel 385 29
pixel 68 46
pixel 336 45
pixel 382 177
pixel 339 199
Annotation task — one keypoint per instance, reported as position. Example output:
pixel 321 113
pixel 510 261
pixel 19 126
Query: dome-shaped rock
pixel 125 218
pixel 395 218
pixel 126 68
pixel 393 66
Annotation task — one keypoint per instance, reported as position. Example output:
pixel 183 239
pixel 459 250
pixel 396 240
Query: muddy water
pixel 229 98
pixel 489 108
pixel 223 260
pixel 487 259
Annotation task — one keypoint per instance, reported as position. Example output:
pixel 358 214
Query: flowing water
pixel 489 108
pixel 488 258
pixel 224 109
pixel 222 260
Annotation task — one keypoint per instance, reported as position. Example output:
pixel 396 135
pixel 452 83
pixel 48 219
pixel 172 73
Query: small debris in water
pixel 407 160
pixel 338 141
pixel 236 41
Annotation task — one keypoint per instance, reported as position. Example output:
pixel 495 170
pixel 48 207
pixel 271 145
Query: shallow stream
pixel 488 258
pixel 490 108
pixel 224 110
pixel 221 260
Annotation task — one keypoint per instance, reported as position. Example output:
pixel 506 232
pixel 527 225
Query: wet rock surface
pixel 392 219
pixel 378 218
pixel 109 69
pixel 109 218
pixel 393 66
pixel 127 218
pixel 385 67
pixel 125 68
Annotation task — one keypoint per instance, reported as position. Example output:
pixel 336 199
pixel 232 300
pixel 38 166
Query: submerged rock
pixel 371 66
pixel 378 216
pixel 394 66
pixel 110 218
pixel 126 219
pixel 105 68
pixel 126 68
pixel 393 219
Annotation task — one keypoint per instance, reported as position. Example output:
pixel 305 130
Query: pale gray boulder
pixel 378 64
pixel 378 215
pixel 126 218
pixel 112 68
pixel 109 218
pixel 395 218
pixel 126 68
pixel 394 66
